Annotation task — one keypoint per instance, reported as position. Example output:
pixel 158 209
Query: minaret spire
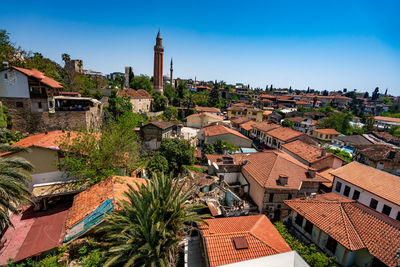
pixel 171 73
pixel 158 65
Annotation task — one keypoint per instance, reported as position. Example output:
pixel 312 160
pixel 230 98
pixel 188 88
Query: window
pixel 271 198
pixel 19 104
pixel 398 216
pixel 338 186
pixel 373 204
pixel 289 196
pixel 5 76
pixel 386 210
pixel 331 245
pixel 346 191
pixel 308 227
pixel 299 220
pixel 39 104
pixel 356 195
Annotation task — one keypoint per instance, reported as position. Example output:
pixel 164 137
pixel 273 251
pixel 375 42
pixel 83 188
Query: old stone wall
pixel 25 120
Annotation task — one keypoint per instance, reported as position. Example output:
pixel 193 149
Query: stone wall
pixel 25 120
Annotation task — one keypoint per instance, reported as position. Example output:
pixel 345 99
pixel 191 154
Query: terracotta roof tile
pixel 50 140
pixel 378 152
pixel 305 151
pixel 284 133
pixel 208 109
pixel 219 130
pixel 206 114
pixel 265 126
pixel 240 120
pixel 261 236
pixel 352 224
pixel 388 119
pixel 378 182
pixel 134 94
pixel 39 76
pixel 265 168
pixel 327 131
pixel 161 124
pixel 89 200
pixel 247 125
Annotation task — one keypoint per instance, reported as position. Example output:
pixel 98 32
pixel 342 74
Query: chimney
pixel 46 132
pixel 323 152
pixel 311 172
pixel 224 151
pixel 283 179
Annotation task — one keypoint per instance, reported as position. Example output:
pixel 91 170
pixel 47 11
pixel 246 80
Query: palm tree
pixel 65 57
pixel 150 224
pixel 14 179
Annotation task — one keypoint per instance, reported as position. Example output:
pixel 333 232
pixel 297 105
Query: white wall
pixel 365 197
pixel 16 84
pixel 48 177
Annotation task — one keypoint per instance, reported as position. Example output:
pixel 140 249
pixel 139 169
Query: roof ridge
pixel 270 170
pixel 347 220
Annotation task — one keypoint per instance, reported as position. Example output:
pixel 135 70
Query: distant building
pixel 140 99
pixel 324 135
pixel 210 134
pixel 381 157
pixel 245 111
pixel 200 120
pixel 36 103
pixel 280 136
pixel 350 141
pixel 305 125
pixel 352 232
pixel 75 65
pixel 212 110
pixel 154 132
pixel 386 122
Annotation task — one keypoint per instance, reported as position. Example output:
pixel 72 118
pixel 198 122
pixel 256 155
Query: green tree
pixel 91 157
pixel 170 113
pixel 178 152
pixel 288 123
pixel 65 57
pixel 142 82
pixel 150 224
pixel 117 106
pixel 157 163
pixel 160 102
pixel 14 190
pixel 369 124
pixel 375 94
pixel 214 99
pixel 344 155
pixel 340 121
pixel 220 145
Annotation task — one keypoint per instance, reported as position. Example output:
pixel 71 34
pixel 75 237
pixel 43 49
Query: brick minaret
pixel 171 69
pixel 158 65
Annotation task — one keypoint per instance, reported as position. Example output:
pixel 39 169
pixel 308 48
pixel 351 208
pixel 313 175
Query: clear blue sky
pixel 322 44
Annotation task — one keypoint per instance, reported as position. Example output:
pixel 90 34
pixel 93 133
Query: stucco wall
pixel 231 138
pixel 141 105
pixel 16 84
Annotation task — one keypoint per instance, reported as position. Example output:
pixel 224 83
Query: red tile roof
pixel 284 133
pixel 134 94
pixel 258 232
pixel 306 152
pixel 50 140
pixel 206 114
pixel 327 131
pixel 265 126
pixel 89 200
pixel 377 182
pixel 220 130
pixel 247 125
pixel 265 168
pixel 388 119
pixel 352 224
pixel 240 120
pixel 39 76
pixel 208 109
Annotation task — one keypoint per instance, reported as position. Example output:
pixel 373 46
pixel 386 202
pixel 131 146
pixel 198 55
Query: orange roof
pixel 302 103
pixel 389 119
pixel 326 173
pixel 206 114
pixel 50 140
pixel 89 200
pixel 380 183
pixel 352 224
pixel 265 168
pixel 247 125
pixel 39 76
pixel 327 131
pixel 284 133
pixel 240 120
pixel 259 236
pixel 219 130
pixel 267 112
pixel 208 109
pixel 265 126
pixel 306 151
pixel 135 94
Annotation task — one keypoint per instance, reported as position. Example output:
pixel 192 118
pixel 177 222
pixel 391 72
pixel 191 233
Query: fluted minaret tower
pixel 158 65
pixel 171 69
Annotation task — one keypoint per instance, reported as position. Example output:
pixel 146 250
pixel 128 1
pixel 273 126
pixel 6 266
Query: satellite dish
pixel 215 165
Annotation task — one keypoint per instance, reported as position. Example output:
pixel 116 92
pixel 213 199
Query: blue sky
pixel 322 44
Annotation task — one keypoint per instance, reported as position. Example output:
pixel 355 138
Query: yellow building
pixel 202 119
pixel 325 135
pixel 255 114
